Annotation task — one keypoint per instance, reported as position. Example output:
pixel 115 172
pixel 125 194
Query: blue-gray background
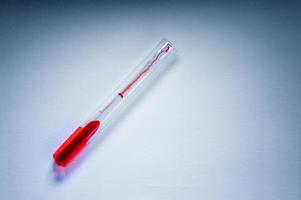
pixel 223 123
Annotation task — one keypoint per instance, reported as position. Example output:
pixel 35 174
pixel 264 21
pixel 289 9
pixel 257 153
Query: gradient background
pixel 223 123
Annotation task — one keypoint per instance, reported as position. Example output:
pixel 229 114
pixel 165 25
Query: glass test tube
pixel 144 74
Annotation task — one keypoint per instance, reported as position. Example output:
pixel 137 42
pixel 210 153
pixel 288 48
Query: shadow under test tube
pixel 161 56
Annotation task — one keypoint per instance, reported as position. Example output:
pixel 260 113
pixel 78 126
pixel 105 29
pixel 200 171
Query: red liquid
pixel 75 143
pixel 139 76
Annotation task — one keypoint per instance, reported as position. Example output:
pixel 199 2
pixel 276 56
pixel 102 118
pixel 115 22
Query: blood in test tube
pixel 75 143
pixel 80 138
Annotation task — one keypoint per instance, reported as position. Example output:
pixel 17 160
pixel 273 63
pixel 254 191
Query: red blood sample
pixel 75 143
pixel 139 76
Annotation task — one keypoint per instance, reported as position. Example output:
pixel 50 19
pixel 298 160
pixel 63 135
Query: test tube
pixel 144 74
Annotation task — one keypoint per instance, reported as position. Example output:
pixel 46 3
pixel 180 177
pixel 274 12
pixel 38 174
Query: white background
pixel 222 123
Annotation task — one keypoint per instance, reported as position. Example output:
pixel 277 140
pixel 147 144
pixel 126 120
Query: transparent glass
pixel 139 78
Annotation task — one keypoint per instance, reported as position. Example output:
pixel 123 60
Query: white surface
pixel 223 123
